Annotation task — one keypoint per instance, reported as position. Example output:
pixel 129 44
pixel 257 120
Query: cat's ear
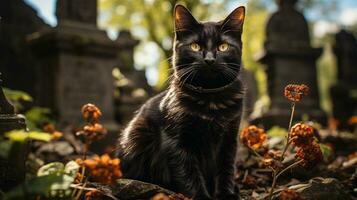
pixel 234 22
pixel 183 19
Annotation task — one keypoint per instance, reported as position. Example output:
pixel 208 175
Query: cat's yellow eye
pixel 223 47
pixel 195 47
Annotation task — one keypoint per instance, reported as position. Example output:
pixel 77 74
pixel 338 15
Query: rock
pixel 126 189
pixel 322 189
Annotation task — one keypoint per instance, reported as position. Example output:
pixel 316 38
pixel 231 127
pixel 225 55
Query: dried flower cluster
pixel 310 154
pixel 295 92
pixel 102 169
pixel 253 137
pixel 50 128
pixel 93 131
pixel 271 159
pixel 301 135
pixel 289 194
pixel 91 113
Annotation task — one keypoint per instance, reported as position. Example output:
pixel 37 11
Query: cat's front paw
pixel 227 197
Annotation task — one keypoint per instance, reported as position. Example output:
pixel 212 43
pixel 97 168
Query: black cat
pixel 185 138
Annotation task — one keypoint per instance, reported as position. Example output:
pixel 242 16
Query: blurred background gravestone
pixel 132 88
pixel 343 93
pixel 289 58
pixel 12 168
pixel 76 60
pixel 16 63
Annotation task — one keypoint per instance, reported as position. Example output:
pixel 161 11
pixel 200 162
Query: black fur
pixel 185 138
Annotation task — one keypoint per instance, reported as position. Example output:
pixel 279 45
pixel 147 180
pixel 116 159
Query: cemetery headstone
pixel 344 103
pixel 289 58
pixel 76 60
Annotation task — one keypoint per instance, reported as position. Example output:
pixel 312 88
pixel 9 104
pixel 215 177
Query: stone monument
pixel 289 58
pixel 12 169
pixel 131 85
pixel 17 20
pixel 344 103
pixel 76 63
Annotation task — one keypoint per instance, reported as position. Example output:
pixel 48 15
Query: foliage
pixel 151 21
pixel 53 180
pixel 17 97
pixel 22 136
pixel 36 117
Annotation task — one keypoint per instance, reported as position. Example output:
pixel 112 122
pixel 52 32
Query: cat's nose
pixel 209 58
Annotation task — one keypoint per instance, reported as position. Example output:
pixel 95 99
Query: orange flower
pixel 102 169
pixel 289 194
pixel 353 120
pixel 93 195
pixel 301 134
pixel 295 92
pixel 91 113
pixel 253 137
pixel 310 154
pixel 93 132
pixel 50 128
pixel 333 124
pixel 79 177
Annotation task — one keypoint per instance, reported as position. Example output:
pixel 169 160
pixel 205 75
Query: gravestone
pixel 17 20
pixel 76 63
pixel 12 169
pixel 343 102
pixel 131 85
pixel 289 58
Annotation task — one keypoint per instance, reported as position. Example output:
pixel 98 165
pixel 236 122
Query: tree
pixel 151 20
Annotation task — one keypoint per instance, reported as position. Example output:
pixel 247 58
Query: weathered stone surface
pixel 76 60
pixel 289 58
pixel 77 10
pixel 322 189
pixel 126 189
pixel 343 102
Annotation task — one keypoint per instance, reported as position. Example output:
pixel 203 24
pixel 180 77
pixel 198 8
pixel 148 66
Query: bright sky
pixel 347 16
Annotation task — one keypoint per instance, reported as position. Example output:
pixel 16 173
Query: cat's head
pixel 207 54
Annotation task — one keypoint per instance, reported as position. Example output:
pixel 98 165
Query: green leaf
pixel 16 95
pixel 17 135
pixel 67 173
pixel 36 186
pixel 22 136
pixel 71 169
pixel 37 116
pixel 51 168
pixel 326 151
pixel 40 136
pixel 277 131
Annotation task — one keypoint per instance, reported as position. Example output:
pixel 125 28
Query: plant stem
pixel 289 130
pixel 276 175
pixel 255 153
pixel 273 185
pixel 289 167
